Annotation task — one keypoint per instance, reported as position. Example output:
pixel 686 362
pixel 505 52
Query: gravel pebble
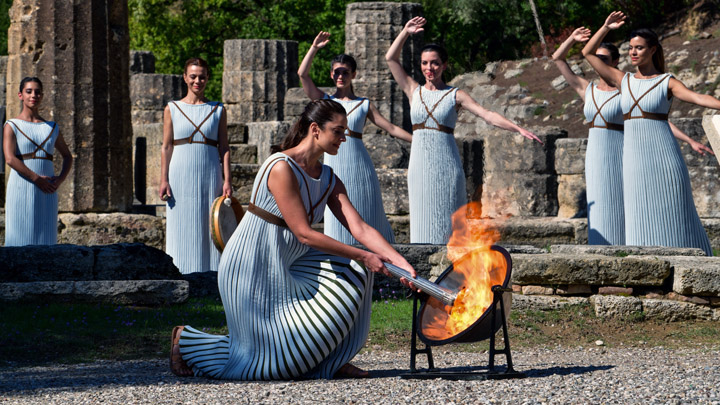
pixel 555 375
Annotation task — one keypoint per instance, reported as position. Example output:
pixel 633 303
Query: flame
pixel 476 268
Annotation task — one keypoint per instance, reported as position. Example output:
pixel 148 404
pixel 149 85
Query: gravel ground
pixel 558 375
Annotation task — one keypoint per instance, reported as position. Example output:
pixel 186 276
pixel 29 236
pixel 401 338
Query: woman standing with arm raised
pixel 29 142
pixel 436 180
pixel 352 164
pixel 659 207
pixel 195 158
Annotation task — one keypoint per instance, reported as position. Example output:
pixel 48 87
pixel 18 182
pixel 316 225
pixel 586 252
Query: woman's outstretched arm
pixel 678 89
pixel 308 85
pixel 579 84
pixel 407 83
pixel 682 136
pixel 611 75
pixel 392 129
pixel 465 101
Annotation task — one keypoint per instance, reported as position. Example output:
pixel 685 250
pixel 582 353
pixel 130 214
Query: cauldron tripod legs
pixel 414 351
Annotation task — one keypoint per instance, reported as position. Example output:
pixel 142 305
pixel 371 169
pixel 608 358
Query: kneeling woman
pixel 297 301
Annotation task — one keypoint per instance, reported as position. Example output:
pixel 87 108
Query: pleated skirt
pixel 353 166
pixel 436 186
pixel 604 187
pixel 659 207
pixel 31 216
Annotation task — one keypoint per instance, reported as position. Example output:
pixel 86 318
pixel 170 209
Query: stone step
pixel 243 153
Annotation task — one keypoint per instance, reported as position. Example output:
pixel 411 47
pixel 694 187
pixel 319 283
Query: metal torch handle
pixel 443 294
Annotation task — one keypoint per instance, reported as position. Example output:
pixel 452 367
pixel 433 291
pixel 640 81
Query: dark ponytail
pixel 320 112
pixel 614 51
pixel 652 40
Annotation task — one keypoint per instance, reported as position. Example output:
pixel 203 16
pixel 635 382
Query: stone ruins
pixel 109 103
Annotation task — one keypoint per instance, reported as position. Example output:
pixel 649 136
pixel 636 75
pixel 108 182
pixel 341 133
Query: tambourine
pixel 225 215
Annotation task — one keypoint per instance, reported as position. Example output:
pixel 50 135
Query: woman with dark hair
pixel 195 159
pixel 29 142
pixel 658 202
pixel 297 301
pixel 352 163
pixel 436 180
pixel 603 159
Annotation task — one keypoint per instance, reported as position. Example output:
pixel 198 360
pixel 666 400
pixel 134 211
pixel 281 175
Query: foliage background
pixel 474 31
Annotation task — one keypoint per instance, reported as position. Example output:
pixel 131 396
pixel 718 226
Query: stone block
pixel 554 268
pixel 243 154
pixel 540 231
pixel 537 290
pixel 559 83
pixel 149 91
pixel 253 112
pixel 544 303
pixel 125 292
pixel 510 152
pixel 386 152
pixel 696 275
pixel 519 194
pixel 143 117
pixel 243 176
pixel 622 251
pixel 574 289
pixel 672 311
pixel 252 86
pixel 266 134
pixel 237 132
pixel 104 229
pixel 615 306
pixel 393 185
pixel 706 189
pixel 572 199
pixel 260 55
pixel 615 290
pixel 400 225
pixel 570 155
pixel 147 152
pixel 712 227
pixel 691 299
pixel 296 100
pixel 142 62
pixel 41 263
pixel 471 154
pixel 132 261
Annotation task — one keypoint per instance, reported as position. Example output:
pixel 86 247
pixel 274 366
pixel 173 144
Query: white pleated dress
pixel 659 206
pixel 292 311
pixel 353 166
pixel 436 180
pixel 195 181
pixel 31 215
pixel 603 167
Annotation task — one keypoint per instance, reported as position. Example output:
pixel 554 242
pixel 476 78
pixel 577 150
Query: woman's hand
pixel 321 40
pixel 227 189
pixel 615 20
pixel 374 263
pixel 700 148
pixel 45 184
pixel 581 34
pixel 529 135
pixel 164 191
pixel 415 25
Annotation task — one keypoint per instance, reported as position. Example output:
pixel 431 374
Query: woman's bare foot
pixel 350 371
pixel 178 366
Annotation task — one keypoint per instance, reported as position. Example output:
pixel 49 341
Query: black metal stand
pixel 489 374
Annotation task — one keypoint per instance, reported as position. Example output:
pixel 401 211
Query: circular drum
pixel 225 215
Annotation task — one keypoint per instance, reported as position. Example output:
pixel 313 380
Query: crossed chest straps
pixel 38 148
pixel 354 134
pixel 440 127
pixel 189 139
pixel 274 219
pixel 598 113
pixel 636 103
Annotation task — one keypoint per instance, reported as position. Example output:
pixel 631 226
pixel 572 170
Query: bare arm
pixel 392 129
pixel 682 136
pixel 465 101
pixel 44 183
pixel 304 70
pixel 166 152
pixel 610 74
pixel 579 84
pixel 224 150
pixel 678 89
pixel 392 57
pixel 62 147
pixel 285 188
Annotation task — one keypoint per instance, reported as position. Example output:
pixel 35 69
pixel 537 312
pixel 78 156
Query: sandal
pixel 350 371
pixel 178 366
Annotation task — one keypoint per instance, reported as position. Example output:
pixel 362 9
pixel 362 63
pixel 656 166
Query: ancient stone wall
pixel 80 51
pixel 3 73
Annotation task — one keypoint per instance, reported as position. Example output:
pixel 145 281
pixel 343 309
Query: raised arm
pixel 285 188
pixel 682 136
pixel 678 89
pixel 579 84
pixel 392 129
pixel 166 152
pixel 308 85
pixel 465 101
pixel 392 57
pixel 224 151
pixel 611 75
